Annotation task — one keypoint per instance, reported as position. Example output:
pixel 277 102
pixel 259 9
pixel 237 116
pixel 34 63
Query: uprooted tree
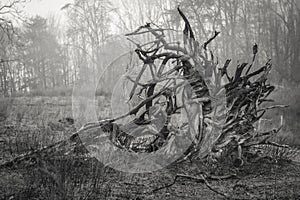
pixel 187 94
pixel 220 111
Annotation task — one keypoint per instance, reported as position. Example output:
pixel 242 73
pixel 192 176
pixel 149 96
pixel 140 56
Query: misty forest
pixel 150 99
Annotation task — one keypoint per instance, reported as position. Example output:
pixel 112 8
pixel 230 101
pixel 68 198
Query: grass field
pixel 29 123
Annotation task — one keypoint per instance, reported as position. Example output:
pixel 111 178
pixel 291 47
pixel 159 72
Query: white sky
pixel 45 8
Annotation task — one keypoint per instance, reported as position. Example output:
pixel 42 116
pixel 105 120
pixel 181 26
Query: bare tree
pixel 8 11
pixel 88 31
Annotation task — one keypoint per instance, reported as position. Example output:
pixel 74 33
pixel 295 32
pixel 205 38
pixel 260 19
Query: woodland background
pixel 46 56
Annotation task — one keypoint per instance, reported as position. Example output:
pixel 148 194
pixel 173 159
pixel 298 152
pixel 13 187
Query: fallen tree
pixel 220 111
pixel 221 114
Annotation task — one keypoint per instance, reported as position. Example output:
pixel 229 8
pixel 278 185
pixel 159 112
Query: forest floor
pixel 30 123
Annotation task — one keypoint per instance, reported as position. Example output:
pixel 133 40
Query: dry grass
pixel 30 123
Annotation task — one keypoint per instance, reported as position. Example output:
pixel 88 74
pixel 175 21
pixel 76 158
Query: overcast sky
pixel 45 7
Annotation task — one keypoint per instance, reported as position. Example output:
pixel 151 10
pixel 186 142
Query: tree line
pixel 46 54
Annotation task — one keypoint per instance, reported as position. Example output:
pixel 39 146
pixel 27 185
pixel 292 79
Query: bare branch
pixel 211 39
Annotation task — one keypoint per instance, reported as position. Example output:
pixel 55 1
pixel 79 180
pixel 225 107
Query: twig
pixel 166 186
pixel 188 32
pixel 211 39
pixel 10 5
pixel 223 70
pixel 276 144
pixel 137 80
pixel 272 132
pixel 201 179
pixel 139 33
pixel 218 178
pixel 140 84
pixel 167 46
pixel 132 41
pixel 272 107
